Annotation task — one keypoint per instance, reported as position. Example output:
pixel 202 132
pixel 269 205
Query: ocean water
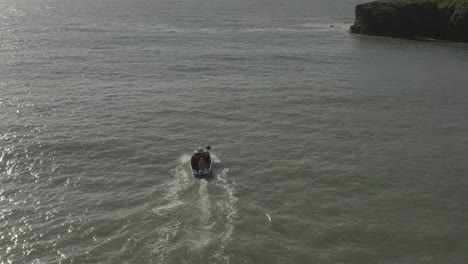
pixel 329 147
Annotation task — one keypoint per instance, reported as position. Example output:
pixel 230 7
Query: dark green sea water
pixel 329 147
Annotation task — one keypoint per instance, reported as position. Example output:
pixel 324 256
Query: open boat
pixel 201 163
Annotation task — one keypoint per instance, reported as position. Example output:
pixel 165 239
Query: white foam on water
pixel 229 210
pixel 184 159
pixel 269 221
pixel 203 234
pixel 215 158
pixel 163 209
pixel 163 244
pixel 180 181
pixel 204 203
pixel 198 236
pixel 166 232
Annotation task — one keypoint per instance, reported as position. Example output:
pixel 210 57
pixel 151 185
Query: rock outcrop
pixel 438 19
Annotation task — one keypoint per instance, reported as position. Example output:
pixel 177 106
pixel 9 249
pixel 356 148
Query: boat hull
pixel 201 175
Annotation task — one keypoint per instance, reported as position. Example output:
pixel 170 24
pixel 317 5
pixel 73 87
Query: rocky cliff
pixel 438 19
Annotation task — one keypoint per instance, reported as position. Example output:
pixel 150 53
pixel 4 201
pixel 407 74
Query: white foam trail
pixel 215 158
pixel 171 196
pixel 166 232
pixel 204 205
pixel 228 207
pixel 161 210
pixel 269 218
pixel 184 159
pixel 181 181
pixel 201 234
pixel 269 221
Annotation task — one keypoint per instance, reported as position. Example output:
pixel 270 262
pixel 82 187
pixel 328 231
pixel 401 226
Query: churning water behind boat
pixel 198 215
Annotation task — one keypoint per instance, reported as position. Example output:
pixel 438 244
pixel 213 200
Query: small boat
pixel 201 163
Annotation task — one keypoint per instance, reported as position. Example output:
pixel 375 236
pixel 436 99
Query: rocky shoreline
pixel 435 19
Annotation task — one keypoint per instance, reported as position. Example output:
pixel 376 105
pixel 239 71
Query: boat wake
pixel 197 216
pixel 180 181
pixel 202 235
pixel 169 228
pixel 228 208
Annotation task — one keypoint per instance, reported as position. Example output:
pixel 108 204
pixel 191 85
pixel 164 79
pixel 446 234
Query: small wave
pixel 96 29
pixel 269 221
pixel 161 210
pixel 184 159
pixel 304 28
pixel 215 158
pixel 326 26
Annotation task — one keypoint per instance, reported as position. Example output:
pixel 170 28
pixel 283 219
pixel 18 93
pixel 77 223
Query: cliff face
pixel 440 19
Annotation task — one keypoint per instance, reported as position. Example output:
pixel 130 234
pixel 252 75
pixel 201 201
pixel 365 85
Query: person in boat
pixel 202 165
pixel 196 156
pixel 205 155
